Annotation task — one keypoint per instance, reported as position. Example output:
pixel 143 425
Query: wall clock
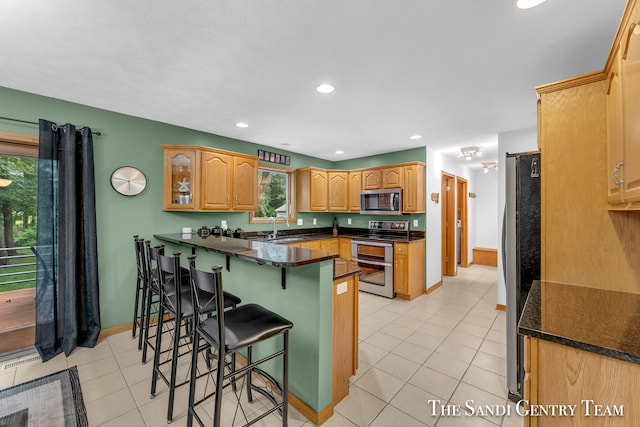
pixel 128 180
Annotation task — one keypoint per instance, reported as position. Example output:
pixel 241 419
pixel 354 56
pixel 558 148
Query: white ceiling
pixel 456 72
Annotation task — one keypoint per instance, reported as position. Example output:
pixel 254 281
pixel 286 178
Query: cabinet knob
pixel 614 175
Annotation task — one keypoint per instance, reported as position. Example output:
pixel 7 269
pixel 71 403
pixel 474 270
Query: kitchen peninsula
pixel 298 284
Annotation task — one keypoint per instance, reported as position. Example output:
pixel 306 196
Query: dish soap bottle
pixel 335 227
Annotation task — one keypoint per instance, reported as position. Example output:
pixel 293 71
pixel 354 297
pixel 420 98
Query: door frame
pixel 462 197
pixel 448 189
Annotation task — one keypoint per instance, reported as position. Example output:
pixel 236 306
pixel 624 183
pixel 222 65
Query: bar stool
pixel 141 290
pixel 229 332
pixel 177 304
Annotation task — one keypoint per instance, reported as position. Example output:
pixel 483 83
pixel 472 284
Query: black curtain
pixel 67 305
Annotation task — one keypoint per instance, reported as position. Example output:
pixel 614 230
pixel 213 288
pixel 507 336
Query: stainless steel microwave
pixel 381 202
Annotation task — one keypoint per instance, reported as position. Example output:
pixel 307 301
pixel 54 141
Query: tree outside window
pixel 275 194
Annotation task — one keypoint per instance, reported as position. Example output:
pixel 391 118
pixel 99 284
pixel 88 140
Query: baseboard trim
pixel 501 307
pixel 433 288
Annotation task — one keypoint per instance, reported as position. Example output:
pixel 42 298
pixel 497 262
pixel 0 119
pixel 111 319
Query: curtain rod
pixel 36 123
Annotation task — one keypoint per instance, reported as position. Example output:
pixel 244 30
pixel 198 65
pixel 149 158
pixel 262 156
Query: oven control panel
pixel 389 225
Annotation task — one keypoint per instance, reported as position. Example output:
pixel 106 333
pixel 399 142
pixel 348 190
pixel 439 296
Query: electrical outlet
pixel 349 221
pixel 223 223
pixel 415 222
pixel 315 221
pixel 300 221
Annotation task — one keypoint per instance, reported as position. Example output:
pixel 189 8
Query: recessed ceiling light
pixel 415 137
pixel 528 4
pixel 242 125
pixel 339 152
pixel 286 144
pixel 325 88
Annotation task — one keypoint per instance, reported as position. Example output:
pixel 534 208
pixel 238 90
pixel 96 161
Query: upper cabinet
pixel 219 180
pixel 338 198
pixel 339 190
pixel 355 186
pixel 312 190
pixel 623 110
pixel 180 178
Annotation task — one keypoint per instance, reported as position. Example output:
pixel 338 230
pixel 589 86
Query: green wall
pixel 128 140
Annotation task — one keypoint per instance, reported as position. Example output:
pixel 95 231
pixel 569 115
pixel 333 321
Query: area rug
pixel 53 400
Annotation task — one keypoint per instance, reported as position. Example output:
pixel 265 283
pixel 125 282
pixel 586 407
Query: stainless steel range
pixel 375 256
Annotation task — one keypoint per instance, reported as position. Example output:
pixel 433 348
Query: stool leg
pixel 157 350
pixel 174 365
pixel 135 309
pixel 142 311
pixel 285 380
pixel 219 383
pixel 147 324
pixel 192 378
pixel 249 372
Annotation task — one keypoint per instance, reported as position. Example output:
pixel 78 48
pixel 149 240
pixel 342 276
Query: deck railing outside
pixel 17 271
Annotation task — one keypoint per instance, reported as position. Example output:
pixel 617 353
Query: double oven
pixel 374 255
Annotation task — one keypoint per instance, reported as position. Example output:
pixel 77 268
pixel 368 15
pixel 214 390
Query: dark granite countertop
pixel 251 250
pixel 595 320
pixel 343 267
pixel 301 235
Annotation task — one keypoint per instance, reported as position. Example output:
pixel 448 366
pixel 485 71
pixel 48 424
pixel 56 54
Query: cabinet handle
pixel 614 175
pixel 632 29
pixel 236 198
pixel 227 199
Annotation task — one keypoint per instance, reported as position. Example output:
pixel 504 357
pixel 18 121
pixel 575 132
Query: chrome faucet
pixel 275 227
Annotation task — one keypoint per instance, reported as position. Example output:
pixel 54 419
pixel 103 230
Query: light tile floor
pixel 448 347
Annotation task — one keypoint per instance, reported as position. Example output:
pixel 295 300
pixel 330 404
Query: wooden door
pixel 401 268
pixel 338 191
pixel 448 225
pixel 371 179
pixel 355 186
pixel 631 109
pixel 180 179
pixel 462 216
pixel 245 184
pixel 392 177
pixel 216 181
pixel 318 190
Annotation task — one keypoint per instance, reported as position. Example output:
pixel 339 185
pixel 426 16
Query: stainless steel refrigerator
pixel 520 253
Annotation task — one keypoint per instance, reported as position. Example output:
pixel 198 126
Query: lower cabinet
pixel 345 247
pixel 345 336
pixel 408 269
pixel 604 390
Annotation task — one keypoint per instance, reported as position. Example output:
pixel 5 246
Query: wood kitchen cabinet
pixel 614 130
pixel 330 245
pixel 181 177
pixel 229 182
pixel 312 190
pixel 345 247
pixel 345 335
pixel 371 179
pixel 413 188
pixel 354 187
pixel 201 179
pixel 408 269
pixel 393 177
pixel 338 196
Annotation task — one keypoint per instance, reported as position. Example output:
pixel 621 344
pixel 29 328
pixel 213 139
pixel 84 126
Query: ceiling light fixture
pixel 469 152
pixel 528 4
pixel 242 125
pixel 325 88
pixel 339 152
pixel 487 166
pixel 415 137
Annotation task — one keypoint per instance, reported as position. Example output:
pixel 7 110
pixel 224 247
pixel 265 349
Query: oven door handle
pixel 369 243
pixel 366 261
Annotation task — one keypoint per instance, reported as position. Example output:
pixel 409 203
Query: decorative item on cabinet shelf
pixel 472 195
pixel 270 157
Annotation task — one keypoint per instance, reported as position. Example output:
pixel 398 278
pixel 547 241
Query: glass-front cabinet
pixel 180 178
